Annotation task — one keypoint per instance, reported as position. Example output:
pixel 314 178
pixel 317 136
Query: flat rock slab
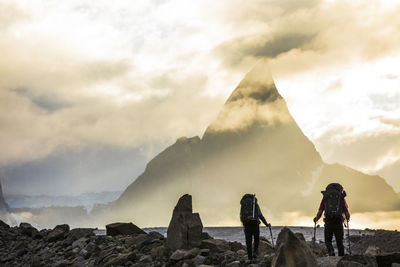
pixel 123 229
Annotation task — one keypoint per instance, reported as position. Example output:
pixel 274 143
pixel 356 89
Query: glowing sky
pixel 132 74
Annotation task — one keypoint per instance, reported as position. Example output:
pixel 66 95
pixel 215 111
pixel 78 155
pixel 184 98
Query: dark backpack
pixel 333 201
pixel 248 209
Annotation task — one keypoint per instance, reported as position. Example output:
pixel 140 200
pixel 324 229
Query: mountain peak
pixel 257 85
pixel 255 101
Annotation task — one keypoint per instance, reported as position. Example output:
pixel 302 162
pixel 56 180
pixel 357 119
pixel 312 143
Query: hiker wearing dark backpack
pixel 250 216
pixel 334 205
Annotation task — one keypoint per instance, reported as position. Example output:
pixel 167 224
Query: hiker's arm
pixel 241 215
pixel 346 211
pixel 320 211
pixel 262 217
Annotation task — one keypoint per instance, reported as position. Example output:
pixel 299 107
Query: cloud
pixel 244 113
pixel 391 76
pixel 392 121
pixel 256 47
pixel 312 34
pixel 10 14
pixel 64 88
pixel 335 85
pixel 41 66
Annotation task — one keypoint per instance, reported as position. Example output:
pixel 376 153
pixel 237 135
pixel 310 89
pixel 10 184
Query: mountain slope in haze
pixel 5 214
pixel 3 204
pixel 254 145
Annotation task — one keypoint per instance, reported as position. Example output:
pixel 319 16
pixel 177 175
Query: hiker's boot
pixel 255 254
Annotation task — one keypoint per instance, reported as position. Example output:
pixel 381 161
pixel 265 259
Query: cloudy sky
pixel 91 90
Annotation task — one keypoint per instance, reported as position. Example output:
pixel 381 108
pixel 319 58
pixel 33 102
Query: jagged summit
pixel 254 145
pixel 257 85
pixel 255 101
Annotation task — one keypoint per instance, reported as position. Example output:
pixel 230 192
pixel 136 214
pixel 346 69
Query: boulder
pixel 234 264
pixel 156 235
pixel 118 228
pixel 265 247
pixel 291 251
pixel 215 245
pixel 329 261
pixel 77 233
pixel 190 254
pixel 199 260
pixel 4 225
pixel 185 228
pixel 80 243
pixel 373 250
pixel 319 250
pixel 241 252
pixel 120 259
pixel 147 240
pixel 177 255
pixel 146 259
pixel 235 246
pixel 300 236
pixel 204 252
pixel 135 240
pixel 388 259
pixel 27 229
pixel 58 233
pixel 61 263
pixel 159 252
pixel 357 260
pixel 205 235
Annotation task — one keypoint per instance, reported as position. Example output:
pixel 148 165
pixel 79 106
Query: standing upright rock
pixel 292 252
pixel 185 227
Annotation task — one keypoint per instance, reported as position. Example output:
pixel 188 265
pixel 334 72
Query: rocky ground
pixel 26 246
pixel 185 245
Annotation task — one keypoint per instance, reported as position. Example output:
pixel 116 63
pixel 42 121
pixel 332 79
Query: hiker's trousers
pixel 336 229
pixel 252 229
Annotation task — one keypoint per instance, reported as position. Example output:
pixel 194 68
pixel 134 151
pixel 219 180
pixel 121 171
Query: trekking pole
pixel 315 230
pixel 272 238
pixel 348 236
